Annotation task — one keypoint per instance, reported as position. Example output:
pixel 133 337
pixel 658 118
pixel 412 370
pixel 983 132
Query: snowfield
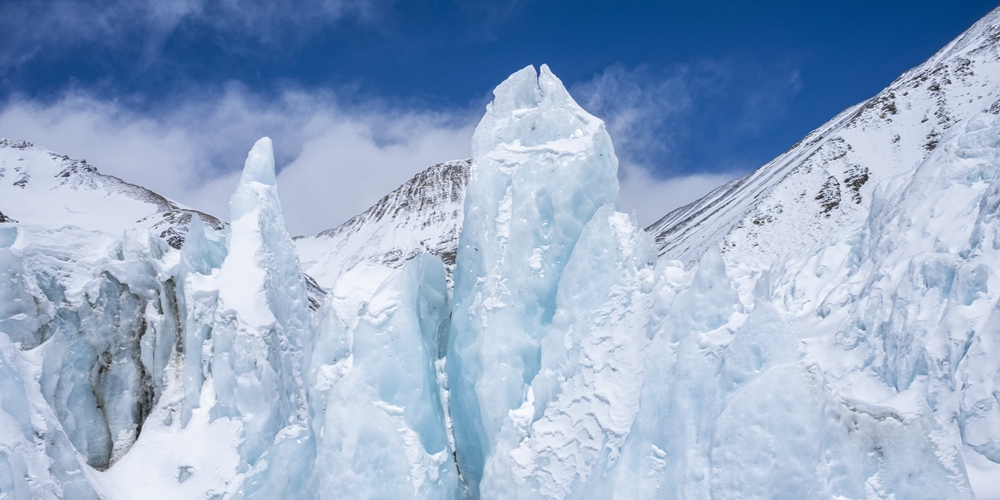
pixel 825 327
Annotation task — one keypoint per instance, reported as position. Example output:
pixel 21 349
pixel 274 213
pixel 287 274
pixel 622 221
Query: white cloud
pixel 691 117
pixel 334 162
pixel 344 171
pixel 652 198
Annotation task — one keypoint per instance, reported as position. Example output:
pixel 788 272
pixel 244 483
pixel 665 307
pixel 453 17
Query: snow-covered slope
pixel 422 215
pixel 824 184
pixel 39 187
pixel 871 239
pixel 902 310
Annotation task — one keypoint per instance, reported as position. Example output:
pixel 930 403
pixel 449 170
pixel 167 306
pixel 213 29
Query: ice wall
pixel 581 405
pixel 232 379
pixel 187 373
pixel 37 460
pixel 377 414
pixel 79 310
pixel 122 338
pixel 79 300
pixel 733 407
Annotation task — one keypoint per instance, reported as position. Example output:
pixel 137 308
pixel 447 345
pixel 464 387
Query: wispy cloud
pixel 644 112
pixel 30 27
pixel 659 117
pixel 334 160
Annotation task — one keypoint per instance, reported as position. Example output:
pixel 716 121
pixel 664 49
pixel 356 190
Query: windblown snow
pixel 826 327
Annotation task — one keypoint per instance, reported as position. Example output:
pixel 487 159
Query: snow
pixel 916 275
pixel 46 198
pixel 824 184
pixel 174 461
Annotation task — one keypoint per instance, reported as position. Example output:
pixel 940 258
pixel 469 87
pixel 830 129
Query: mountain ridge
pixel 895 130
pixel 45 179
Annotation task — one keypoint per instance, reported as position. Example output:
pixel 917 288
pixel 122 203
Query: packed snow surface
pixel 847 345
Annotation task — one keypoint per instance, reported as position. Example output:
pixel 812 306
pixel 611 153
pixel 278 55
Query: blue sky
pixel 365 93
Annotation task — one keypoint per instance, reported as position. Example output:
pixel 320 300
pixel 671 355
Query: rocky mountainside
pixel 823 184
pixel 424 214
pixel 40 187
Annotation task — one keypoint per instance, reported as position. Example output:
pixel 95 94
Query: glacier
pixel 500 329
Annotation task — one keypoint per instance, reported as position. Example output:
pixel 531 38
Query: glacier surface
pixel 565 359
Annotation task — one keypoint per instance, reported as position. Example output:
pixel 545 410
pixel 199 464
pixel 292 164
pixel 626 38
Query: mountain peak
pixel 422 215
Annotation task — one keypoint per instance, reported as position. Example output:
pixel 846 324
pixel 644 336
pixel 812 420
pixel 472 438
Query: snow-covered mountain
pixel 39 187
pixel 826 327
pixel 824 183
pixel 422 215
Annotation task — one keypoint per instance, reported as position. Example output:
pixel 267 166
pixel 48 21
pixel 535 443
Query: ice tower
pixel 543 174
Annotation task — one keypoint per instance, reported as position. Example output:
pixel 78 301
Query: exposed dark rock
pixel 315 292
pixel 857 176
pixel 829 195
pixel 433 197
